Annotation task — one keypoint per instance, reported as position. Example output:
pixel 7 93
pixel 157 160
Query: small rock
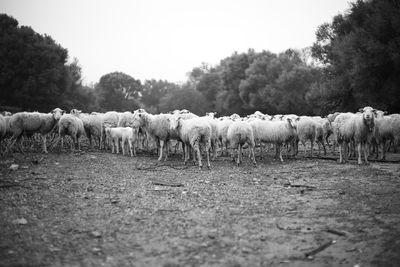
pixel 96 250
pixel 93 157
pixel 11 251
pixel 24 167
pixel 114 201
pixel 96 234
pixel 14 167
pixel 57 163
pixel 21 221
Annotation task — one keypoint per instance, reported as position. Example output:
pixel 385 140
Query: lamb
pixel 71 125
pixel 110 119
pixel 123 134
pixel 276 132
pixel 33 122
pixel 239 133
pixel 193 132
pixel 359 128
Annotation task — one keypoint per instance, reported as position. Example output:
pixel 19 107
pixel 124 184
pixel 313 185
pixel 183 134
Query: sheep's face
pixel 174 123
pixel 57 113
pixel 368 114
pixel 380 114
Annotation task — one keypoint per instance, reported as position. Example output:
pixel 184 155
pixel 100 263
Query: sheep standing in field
pixel 214 132
pixel 275 132
pixel 240 133
pixel 222 130
pixel 156 126
pixel 123 134
pixel 359 128
pixel 110 119
pixel 33 122
pixel 193 132
pixel 306 131
pixel 387 128
pixel 71 125
pixel 3 129
pixel 93 125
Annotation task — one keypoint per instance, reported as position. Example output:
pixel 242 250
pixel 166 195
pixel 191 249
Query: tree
pixel 153 92
pixel 361 53
pixel 33 75
pixel 185 97
pixel 118 91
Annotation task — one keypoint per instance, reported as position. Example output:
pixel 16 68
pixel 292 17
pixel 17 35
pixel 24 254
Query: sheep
pixel 359 128
pixel 110 119
pixel 156 126
pixel 239 133
pixel 123 134
pixel 33 122
pixel 307 129
pixel 93 125
pixel 276 132
pixel 222 130
pixel 124 119
pixel 214 132
pixel 71 125
pixel 3 129
pixel 193 132
pixel 387 128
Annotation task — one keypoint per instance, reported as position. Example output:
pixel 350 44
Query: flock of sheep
pixel 367 130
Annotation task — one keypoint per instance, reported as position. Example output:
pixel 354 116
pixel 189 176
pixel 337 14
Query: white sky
pixel 165 39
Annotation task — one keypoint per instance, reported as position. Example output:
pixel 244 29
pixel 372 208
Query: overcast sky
pixel 165 39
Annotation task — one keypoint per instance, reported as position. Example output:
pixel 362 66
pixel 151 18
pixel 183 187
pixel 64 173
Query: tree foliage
pixel 33 74
pixel 118 91
pixel 361 53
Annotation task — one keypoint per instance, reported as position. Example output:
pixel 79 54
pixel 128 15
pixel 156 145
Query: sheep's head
pixel 75 111
pixel 291 123
pixel 107 130
pixel 211 114
pixel 174 122
pixel 380 114
pixel 57 113
pixel 368 114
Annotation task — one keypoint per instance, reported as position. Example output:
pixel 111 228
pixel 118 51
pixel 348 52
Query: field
pixel 99 209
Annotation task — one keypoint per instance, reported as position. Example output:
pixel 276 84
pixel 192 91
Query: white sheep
pixel 193 132
pixel 156 126
pixel 387 128
pixel 359 128
pixel 33 122
pixel 123 134
pixel 93 125
pixel 71 125
pixel 307 130
pixel 214 132
pixel 240 133
pixel 275 132
pixel 3 129
pixel 110 119
pixel 125 119
pixel 222 130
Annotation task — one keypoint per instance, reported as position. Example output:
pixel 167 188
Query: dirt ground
pixel 99 209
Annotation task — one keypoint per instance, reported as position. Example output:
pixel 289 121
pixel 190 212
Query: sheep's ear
pixel 360 109
pixel 298 118
pixel 385 113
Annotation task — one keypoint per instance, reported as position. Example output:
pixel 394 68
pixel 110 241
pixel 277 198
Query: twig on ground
pixel 299 185
pixel 335 232
pixel 167 184
pixel 310 254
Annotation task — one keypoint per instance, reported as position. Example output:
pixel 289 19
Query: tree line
pixel 354 62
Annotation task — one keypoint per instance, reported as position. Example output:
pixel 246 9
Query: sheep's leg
pixel 254 155
pixel 239 152
pixel 161 150
pixel 359 153
pixel 323 146
pixel 341 147
pixel 44 143
pixel 186 148
pixel 208 155
pixel 366 148
pixel 197 148
pixel 116 142
pixel 167 147
pixel 123 146
pixel 279 148
pixel 383 150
